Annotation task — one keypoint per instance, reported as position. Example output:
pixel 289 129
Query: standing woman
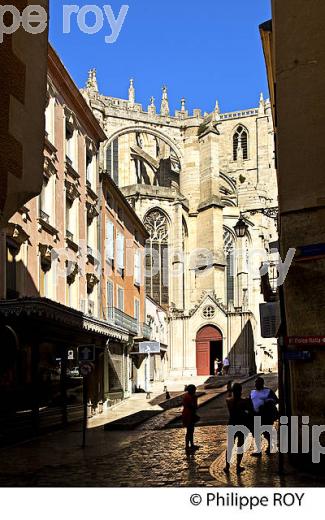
pixel 190 417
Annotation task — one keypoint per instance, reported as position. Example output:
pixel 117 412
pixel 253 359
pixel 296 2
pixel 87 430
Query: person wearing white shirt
pixel 226 366
pixel 264 403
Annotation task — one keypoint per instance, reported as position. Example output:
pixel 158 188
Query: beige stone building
pixel 190 177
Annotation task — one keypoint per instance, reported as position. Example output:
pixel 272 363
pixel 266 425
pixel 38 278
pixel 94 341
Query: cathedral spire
pixel 131 94
pixel 261 108
pixel 216 113
pixel 152 106
pixel 92 81
pixel 164 109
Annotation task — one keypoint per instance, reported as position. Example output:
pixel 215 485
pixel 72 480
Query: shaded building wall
pixel 299 75
pixel 23 61
pixel 44 218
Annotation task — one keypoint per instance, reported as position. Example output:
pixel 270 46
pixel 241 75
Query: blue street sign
pixel 149 347
pixel 298 355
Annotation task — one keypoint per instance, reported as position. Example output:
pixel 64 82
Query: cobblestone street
pixel 140 458
pixel 155 458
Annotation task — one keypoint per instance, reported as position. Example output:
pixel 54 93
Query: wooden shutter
pixel 109 242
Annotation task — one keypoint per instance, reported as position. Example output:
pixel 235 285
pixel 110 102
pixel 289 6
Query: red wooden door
pixel 203 339
pixel 203 358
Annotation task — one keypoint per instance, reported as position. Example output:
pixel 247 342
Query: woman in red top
pixel 190 417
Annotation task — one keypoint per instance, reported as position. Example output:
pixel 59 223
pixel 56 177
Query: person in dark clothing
pixel 190 417
pixel 240 414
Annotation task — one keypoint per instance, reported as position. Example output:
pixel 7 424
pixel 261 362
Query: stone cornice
pixel 213 202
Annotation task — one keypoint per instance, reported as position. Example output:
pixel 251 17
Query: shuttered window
pixel 137 267
pixel 120 298
pixel 109 242
pixel 120 251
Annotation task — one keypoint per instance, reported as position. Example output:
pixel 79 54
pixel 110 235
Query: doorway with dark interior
pixel 209 344
pixel 215 353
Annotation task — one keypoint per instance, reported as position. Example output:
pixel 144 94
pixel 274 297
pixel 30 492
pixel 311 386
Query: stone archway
pixel 209 346
pixel 147 130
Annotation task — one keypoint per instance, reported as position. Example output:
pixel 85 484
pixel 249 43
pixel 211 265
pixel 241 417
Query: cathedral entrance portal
pixel 208 349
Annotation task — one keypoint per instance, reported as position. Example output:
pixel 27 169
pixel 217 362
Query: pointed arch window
pixel 156 224
pixel 240 143
pixel 229 249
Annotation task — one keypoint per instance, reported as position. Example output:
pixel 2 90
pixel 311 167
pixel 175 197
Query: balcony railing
pixel 44 216
pixel 120 319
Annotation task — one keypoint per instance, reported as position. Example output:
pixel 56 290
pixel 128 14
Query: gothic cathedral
pixel 191 178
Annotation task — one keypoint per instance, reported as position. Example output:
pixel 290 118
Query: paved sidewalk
pixel 139 402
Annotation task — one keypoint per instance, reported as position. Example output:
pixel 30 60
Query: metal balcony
pixel 120 319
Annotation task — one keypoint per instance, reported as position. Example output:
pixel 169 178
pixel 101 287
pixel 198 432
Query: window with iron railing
pixel 46 201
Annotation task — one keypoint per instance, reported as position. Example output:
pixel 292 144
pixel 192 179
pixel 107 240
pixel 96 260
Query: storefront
pixel 40 382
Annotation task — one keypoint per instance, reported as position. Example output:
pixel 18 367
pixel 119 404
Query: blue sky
pixel 202 50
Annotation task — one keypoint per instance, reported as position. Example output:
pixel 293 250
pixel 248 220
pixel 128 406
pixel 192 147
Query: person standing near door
pixel 226 366
pixel 216 366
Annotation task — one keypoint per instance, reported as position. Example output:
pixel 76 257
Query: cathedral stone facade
pixel 190 178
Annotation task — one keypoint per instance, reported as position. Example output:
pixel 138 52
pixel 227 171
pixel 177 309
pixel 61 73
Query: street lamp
pixel 241 228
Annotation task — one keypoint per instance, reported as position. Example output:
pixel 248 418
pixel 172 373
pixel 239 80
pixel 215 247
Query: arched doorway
pixel 208 348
